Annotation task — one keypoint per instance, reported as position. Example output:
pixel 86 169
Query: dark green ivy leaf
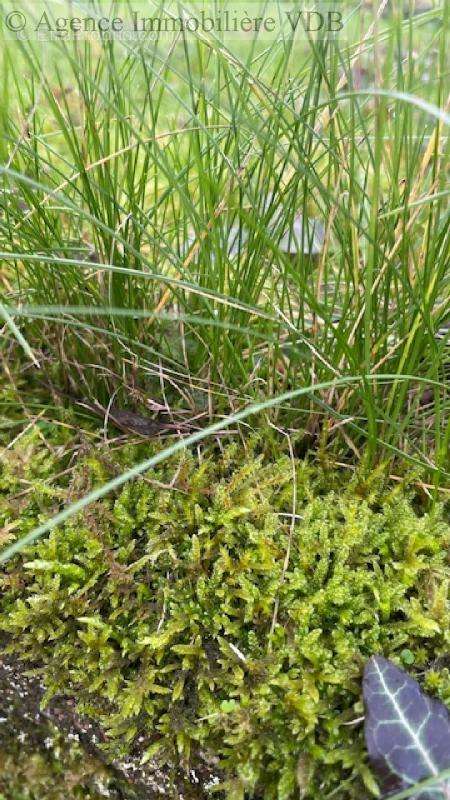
pixel 407 732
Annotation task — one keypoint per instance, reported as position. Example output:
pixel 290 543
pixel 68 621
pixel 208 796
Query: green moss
pixel 64 772
pixel 174 614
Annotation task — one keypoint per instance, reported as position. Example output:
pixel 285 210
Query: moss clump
pixel 176 618
pixel 61 773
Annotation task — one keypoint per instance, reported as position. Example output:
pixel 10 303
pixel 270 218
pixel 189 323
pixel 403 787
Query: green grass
pixel 127 167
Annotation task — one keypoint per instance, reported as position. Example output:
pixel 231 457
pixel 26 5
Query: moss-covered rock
pixel 219 606
pixel 29 772
pixel 43 754
pixel 55 754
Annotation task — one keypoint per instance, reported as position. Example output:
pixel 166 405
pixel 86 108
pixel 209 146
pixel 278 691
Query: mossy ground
pixel 57 775
pixel 225 603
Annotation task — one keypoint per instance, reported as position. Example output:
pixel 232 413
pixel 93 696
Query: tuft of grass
pixel 146 193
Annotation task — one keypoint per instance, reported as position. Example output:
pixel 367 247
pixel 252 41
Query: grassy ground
pixel 147 191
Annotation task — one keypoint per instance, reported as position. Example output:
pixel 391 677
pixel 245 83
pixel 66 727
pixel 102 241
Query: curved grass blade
pixel 405 97
pixel 37 312
pixel 430 782
pixel 17 334
pixel 182 444
pixel 187 286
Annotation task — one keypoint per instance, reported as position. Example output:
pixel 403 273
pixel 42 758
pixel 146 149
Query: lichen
pixel 211 607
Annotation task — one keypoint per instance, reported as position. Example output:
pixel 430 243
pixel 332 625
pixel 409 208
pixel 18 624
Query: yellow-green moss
pixel 174 615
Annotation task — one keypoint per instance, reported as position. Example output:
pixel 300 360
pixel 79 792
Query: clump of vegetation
pixel 230 219
pixel 60 772
pixel 226 603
